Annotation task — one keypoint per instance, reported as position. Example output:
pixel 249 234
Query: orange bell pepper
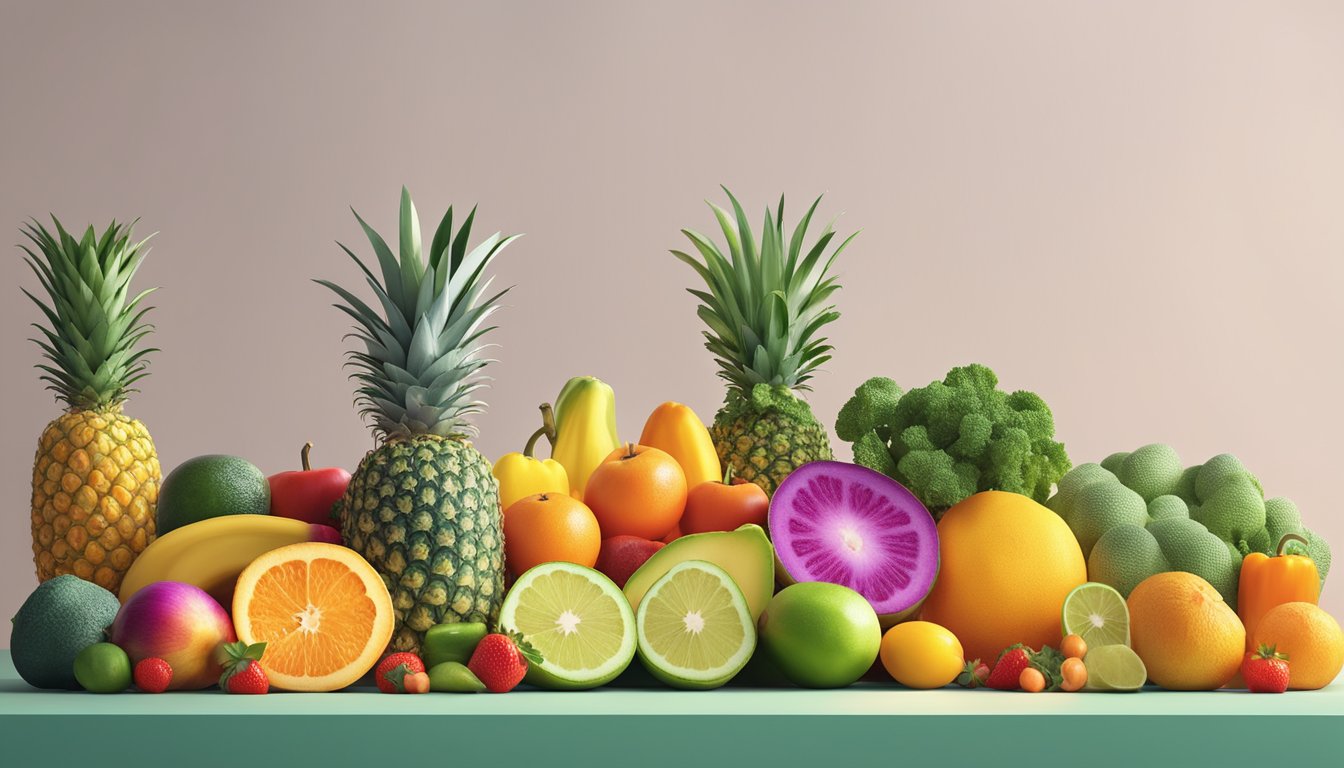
pixel 1270 581
pixel 675 429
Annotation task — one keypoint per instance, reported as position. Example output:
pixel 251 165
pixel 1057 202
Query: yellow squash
pixel 585 429
pixel 675 429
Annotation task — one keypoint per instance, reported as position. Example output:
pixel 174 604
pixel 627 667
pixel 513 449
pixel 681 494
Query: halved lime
pixel 1114 668
pixel 577 619
pixel 1098 614
pixel 695 629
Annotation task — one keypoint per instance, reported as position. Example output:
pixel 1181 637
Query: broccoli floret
pixel 955 437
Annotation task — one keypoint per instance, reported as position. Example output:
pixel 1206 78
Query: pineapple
pixel 423 507
pixel 96 475
pixel 764 308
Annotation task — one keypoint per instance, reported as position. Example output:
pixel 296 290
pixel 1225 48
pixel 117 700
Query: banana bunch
pixel 211 553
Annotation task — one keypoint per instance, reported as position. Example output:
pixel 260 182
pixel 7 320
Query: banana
pixel 211 553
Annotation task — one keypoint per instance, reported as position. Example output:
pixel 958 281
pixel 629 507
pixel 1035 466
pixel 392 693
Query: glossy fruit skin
pixel 498 664
pixel 1073 647
pixel 585 429
pixel 920 654
pixel 1265 670
pixel 550 527
pixel 391 673
pixel 637 491
pixel 1187 637
pixel 1007 563
pixel 179 623
pixel 211 486
pixel 453 677
pixel 820 635
pixel 1310 637
pixel 1074 674
pixel 674 428
pixel 1031 680
pixel 308 494
pixel 416 682
pixel 451 642
pixel 717 506
pixel 153 675
pixel 103 668
pixel 621 556
pixel 1006 674
pixel 250 679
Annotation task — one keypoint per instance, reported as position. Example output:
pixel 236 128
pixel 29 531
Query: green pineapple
pixel 423 507
pixel 764 308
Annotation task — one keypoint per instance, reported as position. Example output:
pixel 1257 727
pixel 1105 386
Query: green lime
pixel 62 617
pixel 454 677
pixel 451 642
pixel 103 668
pixel 577 619
pixel 211 486
pixel 820 635
pixel 695 629
pixel 1114 668
pixel 1097 613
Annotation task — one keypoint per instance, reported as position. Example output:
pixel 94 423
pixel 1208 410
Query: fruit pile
pixel 959 549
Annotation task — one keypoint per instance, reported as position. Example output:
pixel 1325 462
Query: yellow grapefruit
pixel 1007 563
pixel 1310 637
pixel 1189 639
pixel 322 610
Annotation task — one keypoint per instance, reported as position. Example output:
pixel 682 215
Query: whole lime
pixel 820 635
pixel 211 486
pixel 103 668
pixel 62 617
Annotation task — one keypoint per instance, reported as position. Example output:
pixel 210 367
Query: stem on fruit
pixel 728 475
pixel 303 455
pixel 547 428
pixel 629 452
pixel 1287 537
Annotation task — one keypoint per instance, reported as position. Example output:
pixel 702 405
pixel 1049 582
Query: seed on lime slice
pixel 1114 668
pixel 1098 614
pixel 695 629
pixel 103 668
pixel 577 619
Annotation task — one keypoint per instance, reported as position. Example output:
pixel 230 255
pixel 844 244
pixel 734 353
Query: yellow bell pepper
pixel 585 429
pixel 521 474
pixel 1267 582
pixel 675 429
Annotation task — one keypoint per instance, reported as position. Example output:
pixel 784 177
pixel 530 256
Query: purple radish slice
pixel 846 524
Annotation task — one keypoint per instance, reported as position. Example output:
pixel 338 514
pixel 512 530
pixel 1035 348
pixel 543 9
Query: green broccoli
pixel 955 437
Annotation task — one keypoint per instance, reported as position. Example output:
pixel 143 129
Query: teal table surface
pixel 636 722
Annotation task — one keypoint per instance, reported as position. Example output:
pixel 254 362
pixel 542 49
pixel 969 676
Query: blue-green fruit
pixel 820 635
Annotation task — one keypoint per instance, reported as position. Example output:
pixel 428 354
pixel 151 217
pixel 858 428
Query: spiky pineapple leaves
pixel 765 305
pixel 422 353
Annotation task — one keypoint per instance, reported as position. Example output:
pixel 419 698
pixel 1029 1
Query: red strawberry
pixel 1265 670
pixel 974 675
pixel 242 669
pixel 1008 668
pixel 152 675
pixel 394 669
pixel 500 661
pixel 416 682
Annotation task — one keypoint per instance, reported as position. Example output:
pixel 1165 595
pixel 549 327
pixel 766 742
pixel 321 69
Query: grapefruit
pixel 1188 638
pixel 1310 637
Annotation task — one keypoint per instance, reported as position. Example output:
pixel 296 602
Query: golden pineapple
pixel 96 475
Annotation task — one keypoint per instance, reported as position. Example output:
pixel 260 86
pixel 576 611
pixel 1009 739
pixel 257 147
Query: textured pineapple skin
pixel 763 447
pixel 425 513
pixel 95 488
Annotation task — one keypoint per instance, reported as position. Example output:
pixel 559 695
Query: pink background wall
pixel 1132 209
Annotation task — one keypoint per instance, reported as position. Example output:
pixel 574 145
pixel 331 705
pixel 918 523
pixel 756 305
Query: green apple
pixel 746 554
pixel 820 635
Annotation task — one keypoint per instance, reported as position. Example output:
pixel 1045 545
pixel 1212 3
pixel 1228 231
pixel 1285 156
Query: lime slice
pixel 577 619
pixel 1114 668
pixel 695 629
pixel 1097 613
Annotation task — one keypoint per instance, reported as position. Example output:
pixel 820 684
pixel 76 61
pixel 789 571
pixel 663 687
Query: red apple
pixel 622 555
pixel 308 494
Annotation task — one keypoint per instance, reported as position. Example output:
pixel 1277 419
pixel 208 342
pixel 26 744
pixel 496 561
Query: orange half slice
pixel 322 610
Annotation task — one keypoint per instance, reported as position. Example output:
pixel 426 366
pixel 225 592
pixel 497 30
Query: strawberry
pixel 416 682
pixel 394 669
pixel 242 669
pixel 1008 668
pixel 1265 670
pixel 500 661
pixel 152 675
pixel 974 675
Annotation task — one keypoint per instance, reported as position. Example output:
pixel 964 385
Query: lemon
pixel 921 654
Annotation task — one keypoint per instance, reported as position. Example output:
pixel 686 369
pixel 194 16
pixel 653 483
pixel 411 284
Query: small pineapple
pixel 96 475
pixel 764 308
pixel 423 507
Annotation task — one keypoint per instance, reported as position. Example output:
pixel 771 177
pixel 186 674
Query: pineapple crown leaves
pixel 95 324
pixel 422 355
pixel 765 304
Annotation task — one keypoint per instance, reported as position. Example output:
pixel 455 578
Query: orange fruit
pixel 1007 563
pixel 636 491
pixel 1188 638
pixel 1311 638
pixel 322 610
pixel 549 527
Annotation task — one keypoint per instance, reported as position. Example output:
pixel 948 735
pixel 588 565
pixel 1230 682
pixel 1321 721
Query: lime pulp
pixel 695 629
pixel 1097 613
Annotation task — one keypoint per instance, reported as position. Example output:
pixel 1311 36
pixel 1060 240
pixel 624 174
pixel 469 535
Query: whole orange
pixel 1007 564
pixel 1188 638
pixel 549 527
pixel 1310 637
pixel 637 491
